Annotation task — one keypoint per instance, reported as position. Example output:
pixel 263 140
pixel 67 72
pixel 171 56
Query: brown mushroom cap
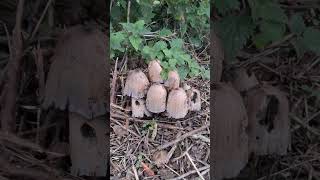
pixel 136 84
pixel 177 104
pixel 78 73
pixel 173 81
pixel 194 99
pixel 156 98
pixel 154 70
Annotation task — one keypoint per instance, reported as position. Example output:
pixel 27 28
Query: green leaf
pixel 160 45
pixel 267 10
pixel 311 40
pixel 176 43
pixel 165 32
pixel 116 39
pixel 183 72
pixel 224 6
pixel 167 53
pixel 296 24
pixel 234 32
pixel 172 62
pixel 135 41
pixel 270 32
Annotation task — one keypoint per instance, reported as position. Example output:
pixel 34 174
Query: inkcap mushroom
pixel 154 71
pixel 173 80
pixel 156 98
pixel 136 84
pixel 177 104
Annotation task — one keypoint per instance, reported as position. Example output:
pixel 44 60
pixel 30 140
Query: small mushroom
pixel 173 80
pixel 156 98
pixel 139 108
pixel 136 84
pixel 154 69
pixel 194 100
pixel 177 105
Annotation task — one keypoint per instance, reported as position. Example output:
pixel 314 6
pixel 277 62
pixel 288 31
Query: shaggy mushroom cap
pixel 154 69
pixel 173 80
pixel 194 100
pixel 177 105
pixel 136 84
pixel 138 107
pixel 78 72
pixel 156 98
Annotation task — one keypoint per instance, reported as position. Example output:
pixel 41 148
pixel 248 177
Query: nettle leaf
pixel 172 62
pixel 311 40
pixel 234 32
pixel 296 24
pixel 176 43
pixel 160 45
pixel 148 52
pixel 270 32
pixel 183 71
pixel 268 10
pixel 224 6
pixel 135 41
pixel 165 32
pixel 116 39
pixel 167 53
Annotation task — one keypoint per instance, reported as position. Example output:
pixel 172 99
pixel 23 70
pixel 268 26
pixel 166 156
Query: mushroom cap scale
pixel 78 73
pixel 154 71
pixel 177 105
pixel 136 84
pixel 156 98
pixel 194 99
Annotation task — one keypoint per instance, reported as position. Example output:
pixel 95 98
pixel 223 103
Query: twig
pixel 182 137
pixel 35 30
pixel 190 172
pixel 114 81
pixel 134 169
pixel 194 166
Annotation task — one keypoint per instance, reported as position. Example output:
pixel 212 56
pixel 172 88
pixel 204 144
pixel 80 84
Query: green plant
pixel 170 26
pixel 262 22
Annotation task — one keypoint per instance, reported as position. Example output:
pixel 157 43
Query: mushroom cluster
pixel 152 94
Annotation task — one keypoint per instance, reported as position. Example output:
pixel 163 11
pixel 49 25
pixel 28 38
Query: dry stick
pixel 7 117
pixel 114 81
pixel 40 20
pixel 180 138
pixel 194 166
pixel 190 172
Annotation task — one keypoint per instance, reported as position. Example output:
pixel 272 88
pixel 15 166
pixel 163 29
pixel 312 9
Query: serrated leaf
pixel 267 10
pixel 183 72
pixel 296 24
pixel 172 62
pixel 160 45
pixel 234 32
pixel 270 32
pixel 311 40
pixel 116 39
pixel 167 53
pixel 135 41
pixel 165 32
pixel 224 6
pixel 176 43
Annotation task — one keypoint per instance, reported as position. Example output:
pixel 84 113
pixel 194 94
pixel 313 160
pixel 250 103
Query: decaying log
pixel 230 146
